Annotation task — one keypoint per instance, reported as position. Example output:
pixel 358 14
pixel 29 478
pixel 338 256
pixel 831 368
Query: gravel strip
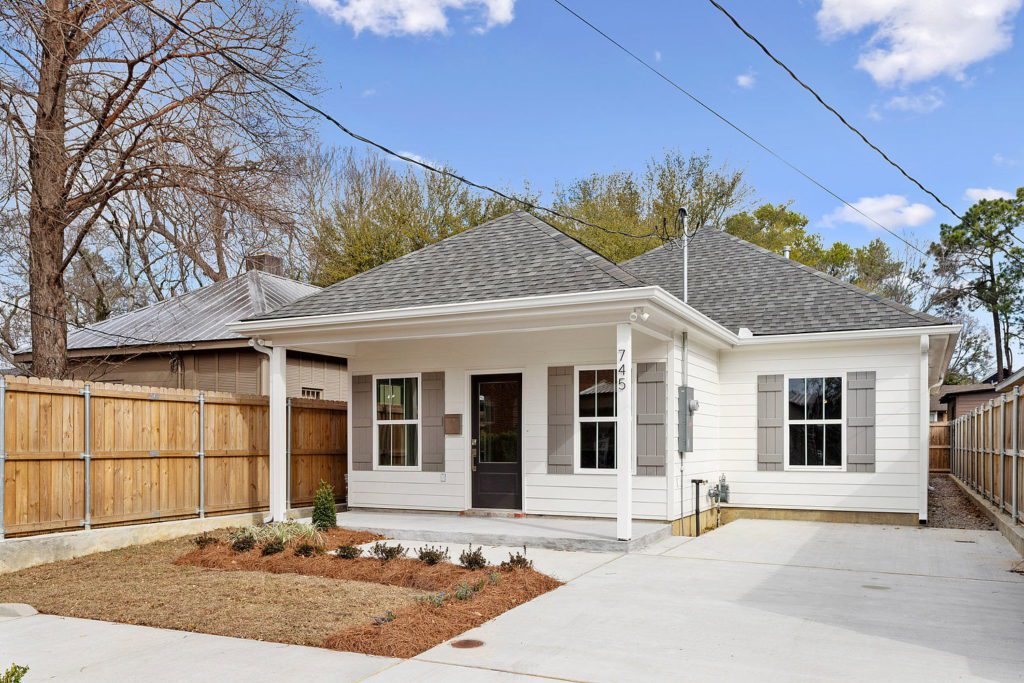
pixel 950 508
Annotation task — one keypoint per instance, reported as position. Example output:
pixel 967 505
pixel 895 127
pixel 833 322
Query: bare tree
pixel 104 105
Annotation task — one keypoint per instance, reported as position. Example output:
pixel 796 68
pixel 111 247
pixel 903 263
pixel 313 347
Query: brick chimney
pixel 265 261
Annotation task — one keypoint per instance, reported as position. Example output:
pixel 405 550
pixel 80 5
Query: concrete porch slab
pixel 587 535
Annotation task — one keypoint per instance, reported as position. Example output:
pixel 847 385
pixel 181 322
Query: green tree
pixel 325 513
pixel 983 257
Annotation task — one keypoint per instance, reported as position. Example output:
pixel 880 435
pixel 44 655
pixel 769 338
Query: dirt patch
pixel 143 585
pixel 409 629
pixel 951 508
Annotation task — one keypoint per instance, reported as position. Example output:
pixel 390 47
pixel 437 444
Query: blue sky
pixel 507 91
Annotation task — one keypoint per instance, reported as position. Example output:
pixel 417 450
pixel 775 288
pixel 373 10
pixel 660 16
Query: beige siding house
pixel 510 367
pixel 184 343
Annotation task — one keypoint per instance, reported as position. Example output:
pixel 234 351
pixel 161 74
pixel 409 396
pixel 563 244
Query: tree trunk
pixel 47 208
pixel 998 331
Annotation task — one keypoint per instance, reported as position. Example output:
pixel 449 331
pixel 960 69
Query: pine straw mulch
pixel 415 627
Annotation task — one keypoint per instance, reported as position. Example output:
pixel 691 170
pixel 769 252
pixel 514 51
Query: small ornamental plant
pixel 325 514
pixel 386 553
pixel 205 539
pixel 348 552
pixel 307 550
pixel 516 560
pixel 242 540
pixel 272 546
pixel 428 554
pixel 464 592
pixel 385 618
pixel 14 674
pixel 473 559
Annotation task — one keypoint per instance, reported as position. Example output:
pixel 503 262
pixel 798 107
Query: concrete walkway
pixel 554 533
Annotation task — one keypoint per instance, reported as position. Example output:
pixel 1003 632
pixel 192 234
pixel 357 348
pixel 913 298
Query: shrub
pixel 464 592
pixel 494 578
pixel 307 550
pixel 434 599
pixel 473 559
pixel 272 546
pixel 14 674
pixel 430 555
pixel 325 514
pixel 516 561
pixel 242 540
pixel 386 553
pixel 205 539
pixel 384 618
pixel 348 552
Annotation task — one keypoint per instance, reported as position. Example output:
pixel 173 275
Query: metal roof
pixel 197 316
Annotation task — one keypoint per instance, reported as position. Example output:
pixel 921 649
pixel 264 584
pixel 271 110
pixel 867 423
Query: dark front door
pixel 496 447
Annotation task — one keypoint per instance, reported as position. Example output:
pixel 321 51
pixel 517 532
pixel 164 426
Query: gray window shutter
pixel 362 422
pixel 560 416
pixel 770 404
pixel 860 422
pixel 650 419
pixel 432 400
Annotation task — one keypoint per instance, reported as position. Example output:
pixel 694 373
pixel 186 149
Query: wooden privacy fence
pixel 76 455
pixel 938 447
pixel 986 452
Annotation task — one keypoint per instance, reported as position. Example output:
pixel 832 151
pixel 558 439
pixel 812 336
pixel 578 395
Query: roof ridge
pixel 254 281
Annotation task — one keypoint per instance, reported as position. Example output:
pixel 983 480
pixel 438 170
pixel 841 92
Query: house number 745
pixel 622 370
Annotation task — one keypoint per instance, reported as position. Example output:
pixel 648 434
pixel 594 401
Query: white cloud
pixel 920 103
pixel 368 92
pixel 915 40
pixel 1000 159
pixel 976 194
pixel 746 80
pixel 657 55
pixel 894 211
pixel 420 158
pixel 411 17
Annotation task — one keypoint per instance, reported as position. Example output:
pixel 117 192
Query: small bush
pixel 516 561
pixel 473 559
pixel 205 539
pixel 431 555
pixel 242 540
pixel 325 514
pixel 386 553
pixel 463 592
pixel 434 599
pixel 348 552
pixel 14 674
pixel 494 578
pixel 272 546
pixel 307 550
pixel 384 618
pixel 479 585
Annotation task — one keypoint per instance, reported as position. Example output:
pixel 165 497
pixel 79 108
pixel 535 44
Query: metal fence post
pixel 201 454
pixel 1015 447
pixel 87 455
pixel 3 451
pixel 288 453
pixel 1002 453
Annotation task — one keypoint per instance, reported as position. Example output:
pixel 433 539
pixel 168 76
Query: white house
pixel 512 367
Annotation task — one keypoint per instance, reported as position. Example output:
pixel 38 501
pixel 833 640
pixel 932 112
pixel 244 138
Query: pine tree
pixel 324 512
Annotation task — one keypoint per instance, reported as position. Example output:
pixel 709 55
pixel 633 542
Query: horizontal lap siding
pixel 531 354
pixel 891 488
pixel 703 462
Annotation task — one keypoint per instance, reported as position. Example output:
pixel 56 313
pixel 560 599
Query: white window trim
pixel 576 468
pixel 841 421
pixel 418 467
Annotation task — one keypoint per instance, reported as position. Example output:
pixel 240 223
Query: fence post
pixel 87 455
pixel 202 455
pixel 3 450
pixel 1015 446
pixel 1002 453
pixel 288 453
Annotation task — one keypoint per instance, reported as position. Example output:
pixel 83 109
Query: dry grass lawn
pixel 143 585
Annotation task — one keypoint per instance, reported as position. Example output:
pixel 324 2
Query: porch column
pixel 624 430
pixel 278 433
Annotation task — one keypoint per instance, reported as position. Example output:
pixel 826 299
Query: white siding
pixel 893 487
pixel 530 354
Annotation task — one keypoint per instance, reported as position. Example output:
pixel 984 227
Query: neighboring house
pixel 961 399
pixel 183 343
pixel 1013 381
pixel 512 367
pixel 937 410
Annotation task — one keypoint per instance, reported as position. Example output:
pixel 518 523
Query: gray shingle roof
pixel 197 316
pixel 513 256
pixel 739 284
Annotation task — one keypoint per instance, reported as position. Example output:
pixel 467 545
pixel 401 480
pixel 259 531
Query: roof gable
pixel 739 284
pixel 514 256
pixel 199 315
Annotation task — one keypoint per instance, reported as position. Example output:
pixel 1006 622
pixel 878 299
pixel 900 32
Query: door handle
pixel 473 453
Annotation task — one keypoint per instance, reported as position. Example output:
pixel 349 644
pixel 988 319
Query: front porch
pixel 554 533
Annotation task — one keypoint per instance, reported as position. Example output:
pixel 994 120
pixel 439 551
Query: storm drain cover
pixel 467 643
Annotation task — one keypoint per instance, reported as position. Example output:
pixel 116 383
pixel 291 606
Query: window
pixel 595 405
pixel 397 421
pixel 309 392
pixel 815 427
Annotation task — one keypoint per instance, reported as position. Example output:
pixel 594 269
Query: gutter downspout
pixel 270 352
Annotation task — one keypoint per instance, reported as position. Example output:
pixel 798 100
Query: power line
pixel 660 74
pixel 832 109
pixel 373 143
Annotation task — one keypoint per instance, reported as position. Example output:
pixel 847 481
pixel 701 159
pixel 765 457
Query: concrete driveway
pixel 763 600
